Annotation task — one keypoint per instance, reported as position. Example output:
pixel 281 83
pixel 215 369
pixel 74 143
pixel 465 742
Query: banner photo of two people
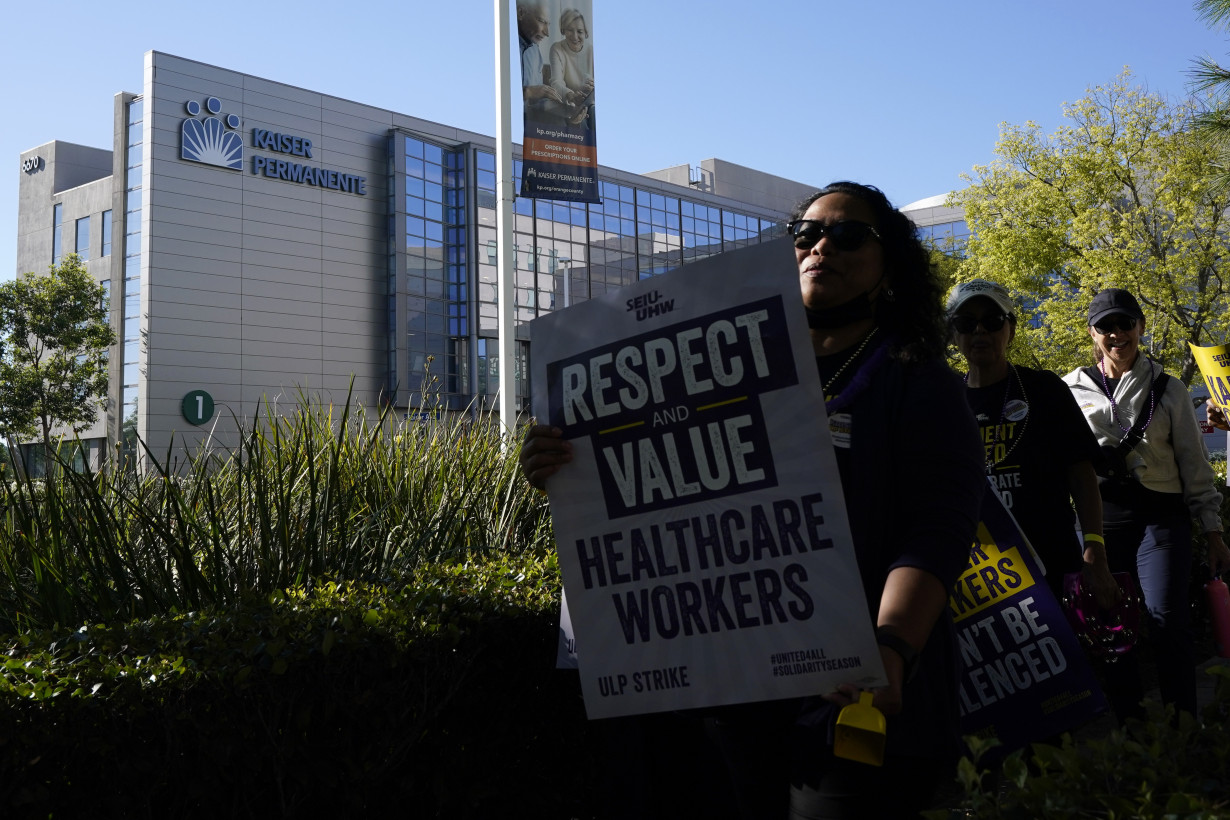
pixel 557 82
pixel 702 533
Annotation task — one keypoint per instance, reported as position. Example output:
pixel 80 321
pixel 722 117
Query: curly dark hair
pixel 914 317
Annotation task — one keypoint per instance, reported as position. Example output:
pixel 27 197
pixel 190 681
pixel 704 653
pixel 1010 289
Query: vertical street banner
pixel 1214 364
pixel 1025 676
pixel 559 148
pixel 701 528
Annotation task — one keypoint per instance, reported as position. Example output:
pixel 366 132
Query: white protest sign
pixel 701 528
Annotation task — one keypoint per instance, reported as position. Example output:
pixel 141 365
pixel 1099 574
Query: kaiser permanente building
pixel 261 241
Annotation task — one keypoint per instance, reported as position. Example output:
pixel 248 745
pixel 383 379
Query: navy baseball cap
pixel 1114 301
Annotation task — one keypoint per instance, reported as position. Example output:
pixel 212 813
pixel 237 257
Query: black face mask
pixel 856 310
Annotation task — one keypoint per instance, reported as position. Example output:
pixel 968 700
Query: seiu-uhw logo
pixel 650 304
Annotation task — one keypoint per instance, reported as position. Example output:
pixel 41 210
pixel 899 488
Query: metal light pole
pixel 504 194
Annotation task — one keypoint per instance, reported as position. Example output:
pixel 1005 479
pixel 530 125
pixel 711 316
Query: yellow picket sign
pixel 1214 365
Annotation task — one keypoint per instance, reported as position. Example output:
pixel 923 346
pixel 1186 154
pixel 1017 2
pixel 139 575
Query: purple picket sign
pixel 1024 674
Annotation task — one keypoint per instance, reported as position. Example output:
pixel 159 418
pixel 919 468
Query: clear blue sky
pixel 898 93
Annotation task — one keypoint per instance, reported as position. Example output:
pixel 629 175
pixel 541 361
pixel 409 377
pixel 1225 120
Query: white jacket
pixel 1171 458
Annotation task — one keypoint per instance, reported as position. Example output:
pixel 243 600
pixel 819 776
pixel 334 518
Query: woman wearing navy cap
pixel 1150 491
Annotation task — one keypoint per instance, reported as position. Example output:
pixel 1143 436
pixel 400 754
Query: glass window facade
pixel 562 253
pixel 133 196
pixel 106 233
pixel 430 227
pixel 57 233
pixel 82 246
pixel 949 237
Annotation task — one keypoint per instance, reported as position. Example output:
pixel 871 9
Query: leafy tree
pixel 1208 77
pixel 945 261
pixel 53 362
pixel 1118 196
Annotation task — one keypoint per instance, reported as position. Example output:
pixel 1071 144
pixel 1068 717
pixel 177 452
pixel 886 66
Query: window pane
pixel 57 237
pixel 83 238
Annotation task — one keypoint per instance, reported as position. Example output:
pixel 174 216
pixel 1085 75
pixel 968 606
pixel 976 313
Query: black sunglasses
pixel 1110 324
pixel 991 323
pixel 847 235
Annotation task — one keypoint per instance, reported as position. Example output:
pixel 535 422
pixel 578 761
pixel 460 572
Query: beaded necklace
pixel 860 379
pixel 857 352
pixel 1114 409
pixel 991 461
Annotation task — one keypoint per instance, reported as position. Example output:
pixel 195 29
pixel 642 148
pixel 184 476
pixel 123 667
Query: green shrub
pixel 316 493
pixel 343 617
pixel 430 695
pixel 1156 769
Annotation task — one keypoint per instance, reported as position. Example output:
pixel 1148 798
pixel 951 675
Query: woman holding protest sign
pixel 1154 477
pixel 1039 452
pixel 877 327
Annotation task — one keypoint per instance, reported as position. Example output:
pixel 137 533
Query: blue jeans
pixel 1152 539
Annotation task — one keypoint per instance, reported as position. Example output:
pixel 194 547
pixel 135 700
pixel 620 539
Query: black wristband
pixel 902 647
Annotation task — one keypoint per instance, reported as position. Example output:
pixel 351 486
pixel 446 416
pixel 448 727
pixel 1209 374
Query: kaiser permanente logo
pixel 209 140
pixel 214 142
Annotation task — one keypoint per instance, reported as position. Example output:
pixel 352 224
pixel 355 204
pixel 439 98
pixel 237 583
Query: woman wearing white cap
pixel 1154 478
pixel 1039 451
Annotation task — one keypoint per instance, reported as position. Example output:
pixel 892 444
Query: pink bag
pixel 1219 613
pixel 1106 635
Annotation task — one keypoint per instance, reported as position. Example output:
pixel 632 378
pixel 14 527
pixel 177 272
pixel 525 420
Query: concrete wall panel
pixel 194 330
pixel 345 275
pixel 267 219
pixel 180 263
pixel 284 327
pixel 276 259
pixel 197 182
pixel 206 250
pixel 266 304
pixel 343 248
pixel 276 326
pixel 267 274
pixel 354 298
pixel 296 253
pixel 180 73
pixel 278 97
pixel 281 122
pixel 304 235
pixel 285 291
pixel 201 356
pixel 268 203
pixel 222 229
pixel 190 203
pixel 174 380
pixel 331 253
pixel 216 340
